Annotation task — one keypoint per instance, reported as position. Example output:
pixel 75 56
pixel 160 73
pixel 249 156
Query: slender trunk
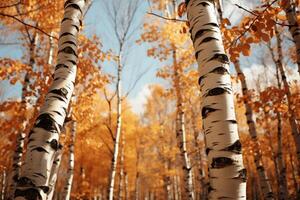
pixel 175 186
pixel 66 194
pixel 263 178
pixel 168 187
pixel 179 187
pixel 51 49
pixel 282 183
pixel 201 170
pixel 54 173
pixel 292 115
pixel 226 171
pixel 43 138
pixel 3 184
pixel 137 186
pixel 294 26
pixel 121 181
pixel 127 197
pixel 118 132
pixel 18 154
pixel 181 133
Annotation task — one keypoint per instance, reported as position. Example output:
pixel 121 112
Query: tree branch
pixel 165 18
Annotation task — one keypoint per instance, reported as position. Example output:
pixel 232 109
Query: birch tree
pixel 290 8
pixel 43 138
pixel 226 171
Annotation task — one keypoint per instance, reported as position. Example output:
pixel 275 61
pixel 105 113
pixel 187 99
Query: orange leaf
pixel 181 9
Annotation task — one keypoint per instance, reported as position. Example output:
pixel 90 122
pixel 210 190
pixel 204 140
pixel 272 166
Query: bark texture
pixel 69 180
pixel 181 133
pixel 226 171
pixel 118 132
pixel 43 138
pixel 294 26
pixel 54 173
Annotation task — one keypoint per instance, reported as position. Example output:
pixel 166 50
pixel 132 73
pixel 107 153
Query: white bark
pixel 66 194
pixel 3 185
pixel 43 138
pixel 121 181
pixel 54 173
pixel 226 171
pixel 181 133
pixel 51 49
pixel 118 132
pixel 294 26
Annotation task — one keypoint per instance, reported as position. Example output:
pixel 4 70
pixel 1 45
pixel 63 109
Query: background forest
pixel 133 128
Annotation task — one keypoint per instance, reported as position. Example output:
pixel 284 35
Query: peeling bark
pixel 226 171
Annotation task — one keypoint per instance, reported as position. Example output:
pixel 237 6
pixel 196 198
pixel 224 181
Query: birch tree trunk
pixel 54 173
pixel 3 185
pixel 118 131
pixel 127 197
pixel 66 194
pixel 294 26
pixel 292 116
pixel 180 132
pixel 43 138
pixel 201 170
pixel 18 154
pixel 282 183
pixel 226 171
pixel 263 178
pixel 121 181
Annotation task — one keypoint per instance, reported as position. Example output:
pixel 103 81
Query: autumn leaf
pixel 181 9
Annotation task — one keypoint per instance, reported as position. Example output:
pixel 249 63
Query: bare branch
pixel 170 19
pixel 28 25
pixel 12 5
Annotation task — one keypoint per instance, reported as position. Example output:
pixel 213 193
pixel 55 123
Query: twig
pixel 252 13
pixel 252 23
pixel 17 3
pixel 170 19
pixel 28 25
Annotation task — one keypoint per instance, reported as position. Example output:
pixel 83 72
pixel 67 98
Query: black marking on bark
pixel 206 110
pixel 68 50
pixel 46 122
pixel 236 147
pixel 39 149
pixel 220 70
pixel 242 175
pixel 45 189
pixel 208 39
pixel 30 194
pixel 200 33
pixel 204 4
pixel 25 181
pixel 70 3
pixel 54 144
pixel 223 58
pixel 60 66
pixel 216 91
pixel 197 54
pixel 207 150
pixel 65 34
pixel 61 92
pixel 200 79
pixel 221 162
pixel 210 189
pixel 232 121
pixel 212 24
